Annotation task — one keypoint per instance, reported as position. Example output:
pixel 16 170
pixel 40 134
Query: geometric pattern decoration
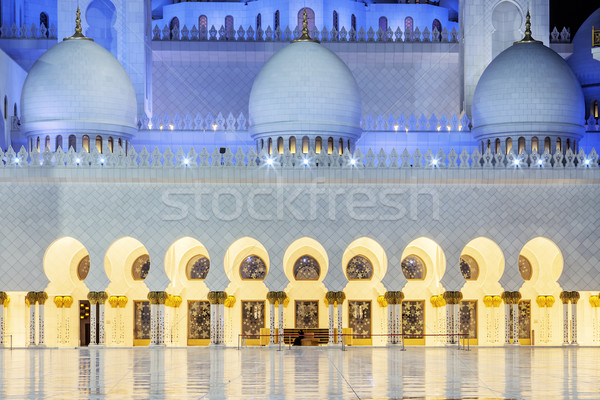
pixel 306 268
pixel 141 267
pixel 524 319
pixel 413 318
pixel 467 315
pixel 525 268
pixel 141 327
pixel 469 268
pixel 359 318
pixel 307 314
pixel 359 268
pixel 83 268
pixel 253 317
pixel 253 268
pixel 198 319
pixel 413 268
pixel 197 268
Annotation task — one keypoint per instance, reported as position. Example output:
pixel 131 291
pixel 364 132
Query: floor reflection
pixel 301 373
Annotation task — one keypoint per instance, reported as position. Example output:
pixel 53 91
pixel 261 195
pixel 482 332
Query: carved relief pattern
pixel 413 318
pixel 524 319
pixel 359 319
pixel 253 317
pixel 142 320
pixel 198 267
pixel 413 267
pixel 199 319
pixel 467 314
pixel 307 314
pixel 253 267
pixel 359 267
pixel 306 268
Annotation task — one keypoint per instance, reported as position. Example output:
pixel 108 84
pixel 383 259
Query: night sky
pixel 571 13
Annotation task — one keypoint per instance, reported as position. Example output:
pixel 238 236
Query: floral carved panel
pixel 413 318
pixel 359 318
pixel 141 327
pixel 198 319
pixel 467 316
pixel 253 317
pixel 307 314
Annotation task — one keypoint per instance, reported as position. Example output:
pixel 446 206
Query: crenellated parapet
pixel 23 32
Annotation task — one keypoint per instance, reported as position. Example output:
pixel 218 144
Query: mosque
pixel 374 173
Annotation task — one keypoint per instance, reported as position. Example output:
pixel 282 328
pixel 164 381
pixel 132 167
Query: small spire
pixel 78 31
pixel 528 38
pixel 305 35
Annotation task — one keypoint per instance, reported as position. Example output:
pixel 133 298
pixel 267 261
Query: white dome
pixel 528 90
pixel 78 87
pixel 305 90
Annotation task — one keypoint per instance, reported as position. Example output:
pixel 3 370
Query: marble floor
pixel 301 373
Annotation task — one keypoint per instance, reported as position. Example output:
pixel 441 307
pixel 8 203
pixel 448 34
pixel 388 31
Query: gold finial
pixel 78 31
pixel 305 35
pixel 528 38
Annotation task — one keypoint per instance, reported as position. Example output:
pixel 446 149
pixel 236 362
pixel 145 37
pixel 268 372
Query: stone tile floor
pixel 301 373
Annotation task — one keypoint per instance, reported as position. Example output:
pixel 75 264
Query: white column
pixel 515 324
pixel 272 323
pixel 507 324
pixel 213 324
pixel 281 337
pixel 450 323
pixel 456 308
pixel 221 323
pixel 397 322
pixel 2 325
pixel 390 324
pixel 331 325
pixel 160 337
pixel 573 323
pixel 41 325
pixel 32 324
pixel 565 324
pixel 101 325
pixel 153 324
pixel 339 323
pixel 93 341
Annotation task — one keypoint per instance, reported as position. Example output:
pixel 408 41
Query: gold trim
pixel 253 280
pixel 305 35
pixel 78 31
pixel 528 38
pixel 595 37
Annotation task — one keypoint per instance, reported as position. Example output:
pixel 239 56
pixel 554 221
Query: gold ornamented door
pixel 253 319
pixel 307 314
pixel 141 323
pixel 359 319
pixel 467 316
pixel 198 323
pixel 525 322
pixel 413 322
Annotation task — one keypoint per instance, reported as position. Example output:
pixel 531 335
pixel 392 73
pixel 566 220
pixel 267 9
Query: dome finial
pixel 305 36
pixel 78 31
pixel 528 38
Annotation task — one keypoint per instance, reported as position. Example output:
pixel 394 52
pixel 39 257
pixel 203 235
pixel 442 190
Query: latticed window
pixel 336 21
pixel 258 21
pixel 437 25
pixel 469 268
pixel 353 22
pixel 525 268
pixel 413 268
pixel 83 268
pixel 276 19
pixel 174 27
pixel 229 29
pixel 253 267
pixel 202 23
pixel 44 22
pixel 408 26
pixel 197 268
pixel 141 267
pixel 383 24
pixel 306 268
pixel 359 268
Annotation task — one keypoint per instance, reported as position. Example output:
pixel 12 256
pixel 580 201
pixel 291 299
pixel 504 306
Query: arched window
pixel 305 145
pixel 276 20
pixel 547 144
pixel 229 28
pixel 318 144
pixel 336 21
pixel 341 146
pixel 174 27
pixel 44 22
pixel 408 27
pixel 99 143
pixel 37 146
pixel 306 268
pixel 595 108
pixel 47 143
pixel 280 145
pixel 197 268
pixel 469 268
pixel 525 268
pixel 521 144
pixel 203 26
pixel 558 144
pixel 253 268
pixel 413 268
pixel 437 25
pixel 508 145
pixel 120 143
pixel 5 107
pixel 498 146
pixel 330 145
pixel 270 146
pixel 72 143
pixel 140 268
pixel 293 145
pixel 83 268
pixel 310 17
pixel 111 144
pixel 258 22
pixel 85 143
pixel 359 268
pixel 353 22
pixel 58 143
pixel 262 144
pixel 534 144
pixel 489 145
pixel 383 24
pixel 568 144
pixel 15 109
